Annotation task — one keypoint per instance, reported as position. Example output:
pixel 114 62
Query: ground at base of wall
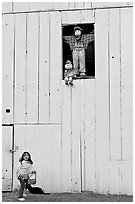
pixel 67 197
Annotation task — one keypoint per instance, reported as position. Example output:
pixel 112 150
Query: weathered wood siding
pixel 7 158
pixel 80 137
pixel 8 68
pixel 8 7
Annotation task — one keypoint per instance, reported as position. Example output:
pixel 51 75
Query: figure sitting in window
pixel 78 48
pixel 79 53
pixel 68 74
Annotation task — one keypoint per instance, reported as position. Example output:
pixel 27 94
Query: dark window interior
pixel 88 38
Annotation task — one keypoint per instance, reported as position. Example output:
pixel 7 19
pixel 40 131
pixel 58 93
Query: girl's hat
pixel 68 62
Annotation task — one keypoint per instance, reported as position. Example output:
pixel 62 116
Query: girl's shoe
pixel 21 199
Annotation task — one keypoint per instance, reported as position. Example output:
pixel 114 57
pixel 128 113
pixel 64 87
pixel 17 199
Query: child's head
pixel 77 32
pixel 26 157
pixel 68 65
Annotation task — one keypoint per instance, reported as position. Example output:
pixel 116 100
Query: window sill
pixel 84 77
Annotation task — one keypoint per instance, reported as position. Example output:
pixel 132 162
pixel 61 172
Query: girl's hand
pixel 20 177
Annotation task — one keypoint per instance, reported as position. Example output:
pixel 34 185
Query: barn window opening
pixel 78 51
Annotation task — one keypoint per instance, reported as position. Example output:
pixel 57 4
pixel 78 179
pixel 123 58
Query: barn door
pixel 7 99
pixel 7 157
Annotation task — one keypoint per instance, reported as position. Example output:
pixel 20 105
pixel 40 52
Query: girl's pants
pixel 23 184
pixel 79 59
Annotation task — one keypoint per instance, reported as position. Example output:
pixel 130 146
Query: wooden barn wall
pixel 8 7
pixel 80 137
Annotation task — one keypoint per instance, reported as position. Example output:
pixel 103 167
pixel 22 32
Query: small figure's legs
pixel 66 80
pixel 70 81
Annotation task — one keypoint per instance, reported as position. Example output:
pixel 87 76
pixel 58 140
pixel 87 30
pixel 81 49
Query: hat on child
pixel 77 28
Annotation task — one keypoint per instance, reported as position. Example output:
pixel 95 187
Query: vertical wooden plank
pixel 6 7
pixel 44 68
pixel 55 66
pixel 127 177
pixel 32 68
pixel 114 172
pixel 66 137
pixel 70 17
pixel 89 137
pixel 87 16
pixel 56 5
pixel 63 5
pixel 20 142
pixel 71 5
pixel 74 17
pixel 108 4
pixel 35 6
pixel 55 131
pixel 6 158
pixel 32 132
pixel 102 106
pixel 87 5
pixel 21 6
pixel 122 171
pixel 114 55
pixel 82 134
pixel 45 132
pixel 64 17
pixel 78 5
pixel 7 68
pixel 126 81
pixel 46 5
pixel 42 158
pixel 76 171
pixel 20 67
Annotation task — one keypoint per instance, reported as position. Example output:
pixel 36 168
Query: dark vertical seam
pixel 120 83
pixel 91 4
pixel 26 77
pixel 13 96
pixel 109 91
pixel 95 131
pixel 13 105
pixel 26 70
pixel 80 127
pixel 12 6
pixel 12 158
pixel 81 158
pixel 108 157
pixel 61 94
pixel 38 59
pixel 95 99
pixel 80 136
pixel 49 64
pixel 84 168
pixel 71 132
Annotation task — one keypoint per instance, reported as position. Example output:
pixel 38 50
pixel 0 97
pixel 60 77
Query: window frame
pixel 81 25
